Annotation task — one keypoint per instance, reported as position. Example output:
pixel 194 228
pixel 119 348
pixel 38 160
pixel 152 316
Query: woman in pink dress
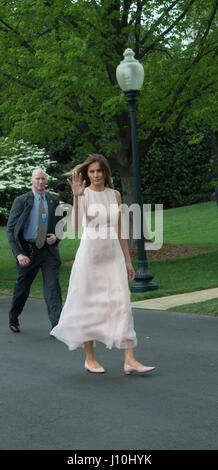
pixel 98 306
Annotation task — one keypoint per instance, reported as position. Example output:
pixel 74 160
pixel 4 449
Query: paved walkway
pixel 163 303
pixel 49 402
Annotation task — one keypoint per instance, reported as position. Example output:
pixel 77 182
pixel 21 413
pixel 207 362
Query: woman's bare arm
pixel 78 188
pixel 124 244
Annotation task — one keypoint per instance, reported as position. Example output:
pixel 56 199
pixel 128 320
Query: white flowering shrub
pixel 18 159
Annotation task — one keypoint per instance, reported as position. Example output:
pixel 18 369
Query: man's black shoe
pixel 14 326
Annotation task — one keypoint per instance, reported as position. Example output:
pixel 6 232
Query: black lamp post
pixel 130 77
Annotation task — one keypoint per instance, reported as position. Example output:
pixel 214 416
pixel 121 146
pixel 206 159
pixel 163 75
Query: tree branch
pixel 214 49
pixel 18 81
pixel 124 19
pixel 138 27
pixel 207 30
pixel 159 20
pixel 187 74
pixel 210 21
pixel 167 31
pixel 189 101
pixel 24 42
pixel 178 19
pixel 45 32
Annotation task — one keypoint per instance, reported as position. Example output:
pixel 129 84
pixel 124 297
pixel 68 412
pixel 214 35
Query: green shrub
pixel 177 170
pixel 17 161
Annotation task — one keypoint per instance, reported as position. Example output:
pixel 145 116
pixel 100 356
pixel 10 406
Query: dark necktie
pixel 40 241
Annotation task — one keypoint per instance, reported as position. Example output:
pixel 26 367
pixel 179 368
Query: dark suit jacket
pixel 19 214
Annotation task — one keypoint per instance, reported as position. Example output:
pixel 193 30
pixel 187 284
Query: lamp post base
pixel 139 287
pixel 143 279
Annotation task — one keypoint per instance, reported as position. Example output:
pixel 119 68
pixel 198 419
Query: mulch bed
pixel 169 251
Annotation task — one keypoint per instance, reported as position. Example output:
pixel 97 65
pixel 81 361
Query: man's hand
pixel 23 260
pixel 50 238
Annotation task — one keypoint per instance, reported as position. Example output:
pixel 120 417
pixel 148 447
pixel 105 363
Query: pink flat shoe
pixel 129 369
pixel 96 370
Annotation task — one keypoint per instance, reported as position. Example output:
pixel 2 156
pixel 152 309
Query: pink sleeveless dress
pixel 98 306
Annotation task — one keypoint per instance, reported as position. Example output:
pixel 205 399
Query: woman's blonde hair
pixel 83 168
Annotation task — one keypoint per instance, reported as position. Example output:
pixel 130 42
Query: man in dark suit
pixel 31 235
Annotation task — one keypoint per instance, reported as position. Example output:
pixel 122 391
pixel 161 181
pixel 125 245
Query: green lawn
pixel 195 225
pixel 8 270
pixel 209 307
pixel 175 276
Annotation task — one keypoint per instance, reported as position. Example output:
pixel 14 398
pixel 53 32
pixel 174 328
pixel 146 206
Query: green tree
pixel 58 72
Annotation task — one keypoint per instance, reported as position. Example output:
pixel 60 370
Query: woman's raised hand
pixel 77 185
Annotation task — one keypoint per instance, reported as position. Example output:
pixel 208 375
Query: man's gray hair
pixel 41 169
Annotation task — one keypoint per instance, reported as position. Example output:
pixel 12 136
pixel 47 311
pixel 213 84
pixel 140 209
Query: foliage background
pixel 58 89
